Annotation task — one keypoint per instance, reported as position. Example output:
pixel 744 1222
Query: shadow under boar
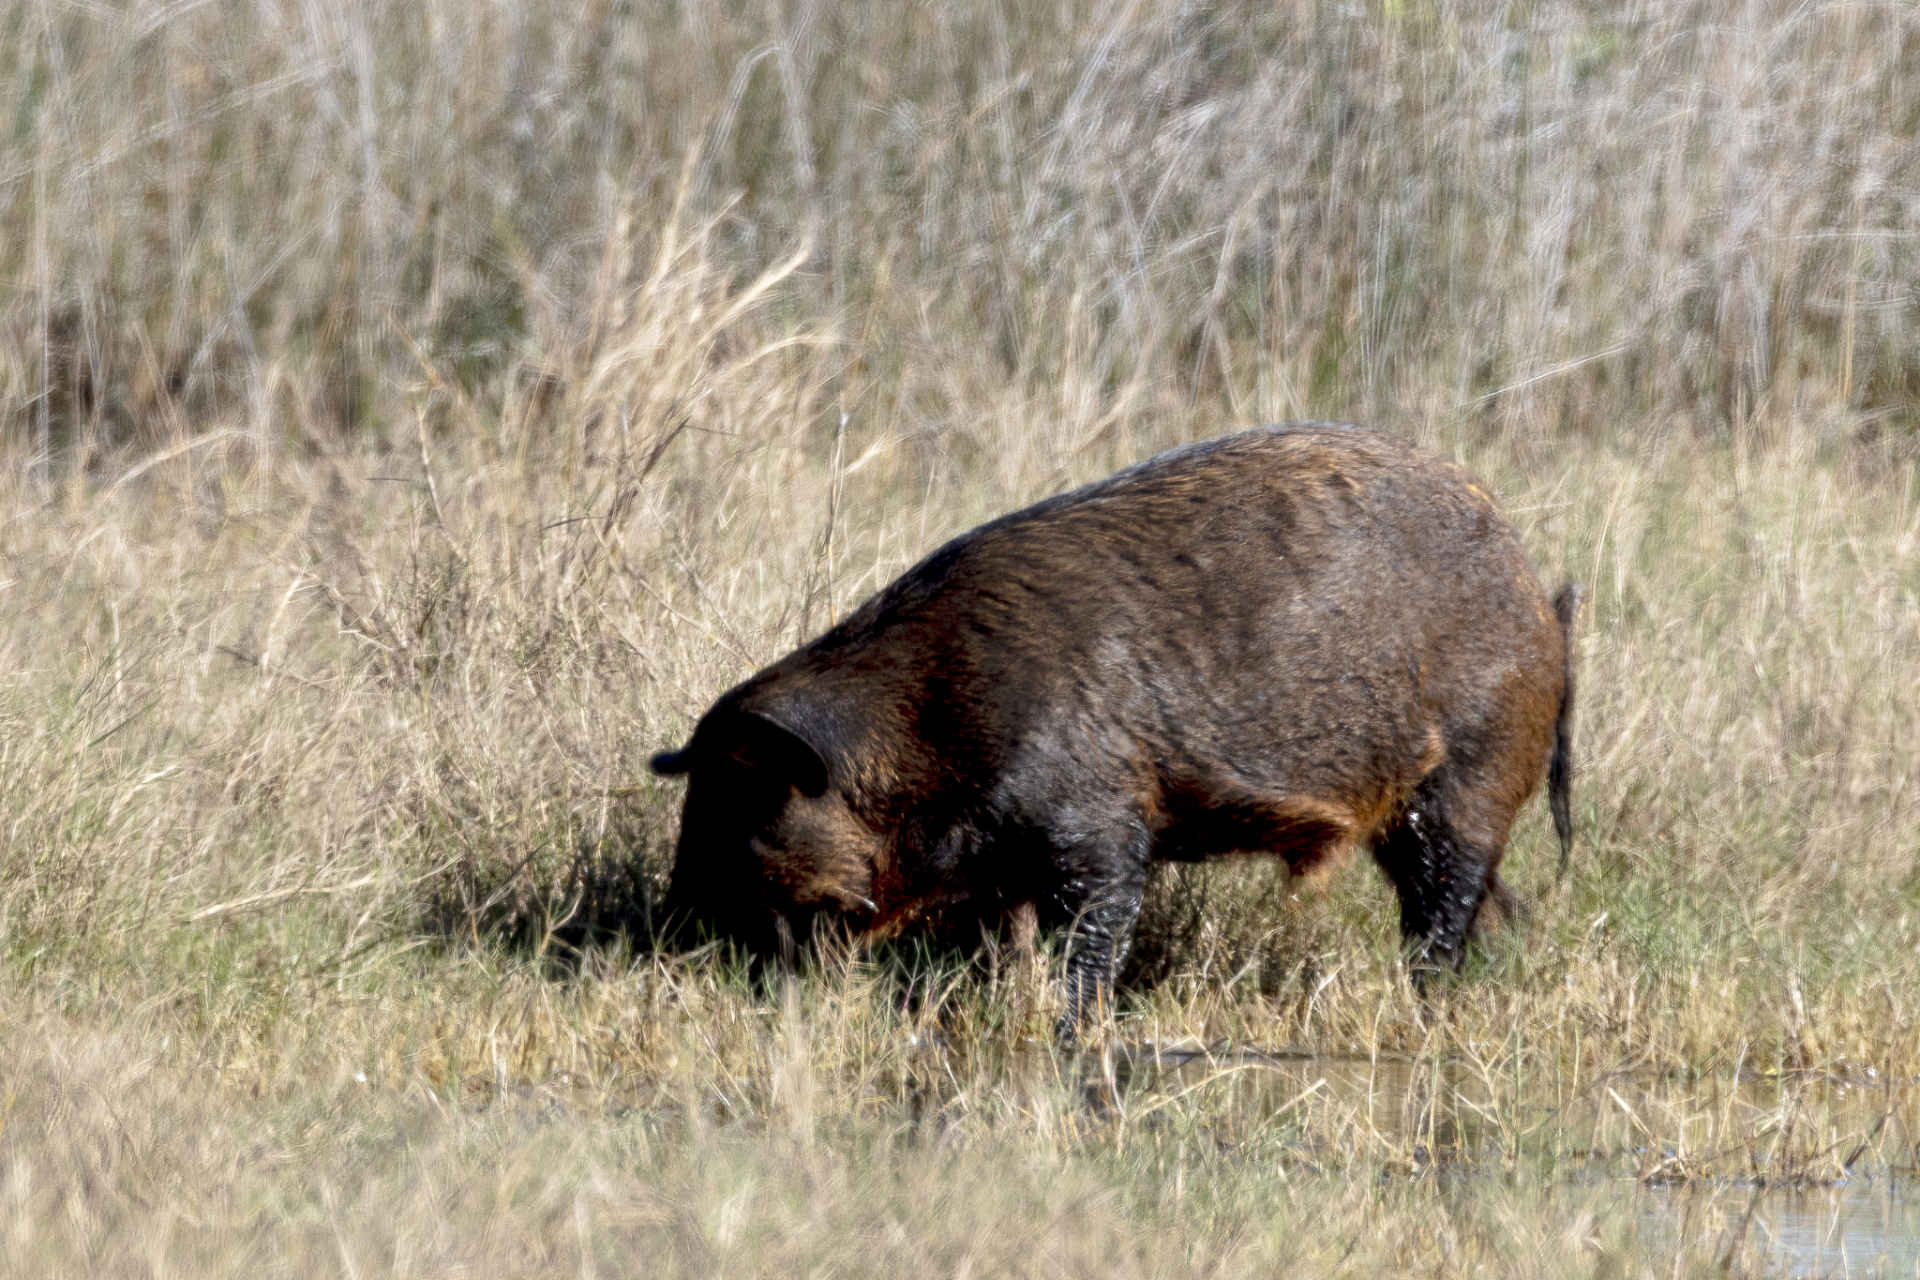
pixel 1292 640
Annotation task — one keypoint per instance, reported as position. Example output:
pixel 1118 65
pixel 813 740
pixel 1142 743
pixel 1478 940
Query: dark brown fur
pixel 1295 640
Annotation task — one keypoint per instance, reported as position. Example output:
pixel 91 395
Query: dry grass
pixel 417 414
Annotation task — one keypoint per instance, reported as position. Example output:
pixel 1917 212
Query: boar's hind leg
pixel 1441 868
pixel 1103 884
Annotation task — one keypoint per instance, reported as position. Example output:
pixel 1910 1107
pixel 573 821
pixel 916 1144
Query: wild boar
pixel 1293 640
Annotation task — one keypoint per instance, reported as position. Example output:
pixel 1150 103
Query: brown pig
pixel 1294 640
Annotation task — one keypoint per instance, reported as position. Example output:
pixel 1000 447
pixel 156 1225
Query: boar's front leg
pixel 1103 881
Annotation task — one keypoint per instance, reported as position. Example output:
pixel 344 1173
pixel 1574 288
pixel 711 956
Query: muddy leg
pixel 1441 874
pixel 1104 886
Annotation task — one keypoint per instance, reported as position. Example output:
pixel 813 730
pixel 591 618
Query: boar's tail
pixel 1566 607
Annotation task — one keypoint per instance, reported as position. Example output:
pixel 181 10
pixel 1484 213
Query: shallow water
pixel 1796 1175
pixel 1859 1228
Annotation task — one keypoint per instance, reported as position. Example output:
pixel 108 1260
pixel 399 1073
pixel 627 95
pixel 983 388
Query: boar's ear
pixel 670 763
pixel 768 743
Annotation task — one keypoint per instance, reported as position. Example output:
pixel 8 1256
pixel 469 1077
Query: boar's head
pixel 769 841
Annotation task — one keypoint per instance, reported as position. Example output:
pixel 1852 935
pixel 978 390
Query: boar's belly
pixel 1303 830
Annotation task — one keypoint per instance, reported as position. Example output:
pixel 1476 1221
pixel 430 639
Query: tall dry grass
pixel 1552 217
pixel 415 415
